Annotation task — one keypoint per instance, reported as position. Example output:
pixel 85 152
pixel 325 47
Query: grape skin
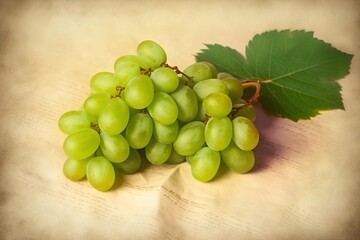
pixel 205 164
pixel 238 160
pixel 115 117
pixel 81 144
pixel 245 134
pixel 163 109
pixel 100 173
pixel 190 138
pixel 73 121
pixel 75 170
pixel 218 133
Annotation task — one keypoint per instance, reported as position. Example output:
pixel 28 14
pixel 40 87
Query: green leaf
pixel 298 73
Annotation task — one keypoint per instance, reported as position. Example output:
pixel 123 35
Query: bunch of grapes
pixel 149 111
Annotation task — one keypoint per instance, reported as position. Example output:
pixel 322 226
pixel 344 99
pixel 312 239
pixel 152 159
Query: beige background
pixel 306 181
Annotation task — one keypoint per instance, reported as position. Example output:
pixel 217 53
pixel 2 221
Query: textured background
pixel 305 185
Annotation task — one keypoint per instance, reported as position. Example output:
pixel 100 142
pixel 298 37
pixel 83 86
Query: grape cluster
pixel 149 111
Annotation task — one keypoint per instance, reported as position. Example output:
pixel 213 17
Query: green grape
pixel 131 164
pixel 208 86
pixel 199 71
pixel 152 52
pixel 96 103
pixel 163 109
pixel 75 170
pixel 103 82
pixel 235 88
pixel 238 160
pixel 165 80
pixel 222 75
pixel 166 133
pixel 157 153
pixel 139 130
pixel 245 134
pixel 190 138
pixel 217 104
pixel 218 133
pixel 139 92
pixel 175 158
pixel 201 115
pixel 115 148
pixel 248 112
pixel 115 117
pixel 73 121
pixel 131 59
pixel 186 102
pixel 100 173
pixel 81 144
pixel 205 164
pixel 126 71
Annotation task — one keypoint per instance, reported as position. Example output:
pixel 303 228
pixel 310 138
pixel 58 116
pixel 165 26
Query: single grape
pixel 100 173
pixel 103 82
pixel 199 71
pixel 152 52
pixel 157 153
pixel 166 133
pixel 217 104
pixel 165 79
pixel 131 164
pixel 218 133
pixel 235 88
pixel 238 160
pixel 163 109
pixel 115 148
pixel 208 86
pixel 190 138
pixel 139 130
pixel 138 60
pixel 75 170
pixel 139 92
pixel 114 117
pixel 175 158
pixel 96 103
pixel 73 121
pixel 205 164
pixel 186 102
pixel 82 144
pixel 126 71
pixel 245 134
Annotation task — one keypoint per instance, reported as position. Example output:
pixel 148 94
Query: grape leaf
pixel 298 73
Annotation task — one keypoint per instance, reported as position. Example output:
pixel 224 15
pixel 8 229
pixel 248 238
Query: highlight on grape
pixel 148 110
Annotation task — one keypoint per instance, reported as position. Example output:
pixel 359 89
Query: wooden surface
pixel 306 181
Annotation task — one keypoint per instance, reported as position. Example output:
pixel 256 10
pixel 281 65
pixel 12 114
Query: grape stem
pixel 118 92
pixel 96 127
pixel 256 95
pixel 251 101
pixel 178 71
